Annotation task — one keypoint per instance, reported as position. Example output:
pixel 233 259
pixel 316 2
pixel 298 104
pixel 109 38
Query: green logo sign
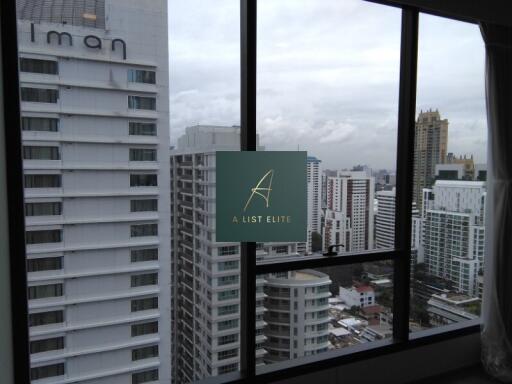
pixel 261 196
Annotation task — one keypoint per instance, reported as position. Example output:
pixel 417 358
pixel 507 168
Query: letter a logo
pixel 263 191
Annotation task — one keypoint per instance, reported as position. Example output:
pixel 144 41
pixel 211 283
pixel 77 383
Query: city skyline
pixel 344 103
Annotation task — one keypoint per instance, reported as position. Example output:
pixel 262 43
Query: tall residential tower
pixel 95 120
pixel 430 145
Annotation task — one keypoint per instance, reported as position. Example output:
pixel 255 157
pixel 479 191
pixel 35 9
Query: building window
pixel 141 76
pixel 49 67
pixel 43 209
pixel 227 310
pixel 44 345
pixel 45 318
pixel 44 236
pixel 144 304
pixel 145 376
pixel 144 279
pixel 227 295
pixel 43 124
pixel 39 95
pixel 44 291
pixel 140 230
pixel 227 280
pixel 228 339
pixel 280 249
pixel 44 264
pixel 223 355
pixel 143 205
pixel 227 265
pixel 230 250
pixel 42 181
pixel 144 328
pixel 40 153
pixel 143 180
pixel 38 373
pixel 144 352
pixel 227 324
pixel 141 102
pixel 228 368
pixel 142 129
pixel 142 154
pixel 139 255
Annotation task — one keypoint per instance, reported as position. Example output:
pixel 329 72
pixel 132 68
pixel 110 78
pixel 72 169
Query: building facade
pixel 296 314
pixel 95 120
pixel 314 195
pixel 206 273
pixel 430 146
pixel 349 217
pixel 454 233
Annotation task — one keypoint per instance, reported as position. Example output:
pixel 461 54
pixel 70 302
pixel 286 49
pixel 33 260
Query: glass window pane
pixel 49 67
pixel 205 96
pixel 44 371
pixel 449 175
pixel 40 124
pixel 309 312
pixel 39 95
pixel 43 209
pixel 44 264
pixel 343 73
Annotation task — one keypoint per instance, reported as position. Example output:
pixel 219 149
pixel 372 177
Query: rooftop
pixel 83 13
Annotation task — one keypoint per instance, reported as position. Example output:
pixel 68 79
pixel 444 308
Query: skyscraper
pixel 349 215
pixel 206 311
pixel 385 221
pixel 314 180
pixel 430 145
pixel 454 233
pixel 95 112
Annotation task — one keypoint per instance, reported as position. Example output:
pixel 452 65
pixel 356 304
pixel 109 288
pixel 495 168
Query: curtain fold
pixel 497 297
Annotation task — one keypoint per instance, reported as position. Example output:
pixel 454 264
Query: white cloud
pixel 327 76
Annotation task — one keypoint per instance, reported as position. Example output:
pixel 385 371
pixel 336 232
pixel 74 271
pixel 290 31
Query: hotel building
pixel 95 113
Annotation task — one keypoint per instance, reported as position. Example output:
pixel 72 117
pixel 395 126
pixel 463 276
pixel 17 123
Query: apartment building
pixel 94 102
pixel 206 309
pixel 453 232
pixel 296 313
pixel 349 217
pixel 314 194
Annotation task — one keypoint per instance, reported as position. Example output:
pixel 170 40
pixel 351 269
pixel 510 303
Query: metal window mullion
pixel 405 168
pixel 304 263
pixel 248 9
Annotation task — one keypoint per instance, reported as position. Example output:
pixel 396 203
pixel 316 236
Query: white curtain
pixel 497 300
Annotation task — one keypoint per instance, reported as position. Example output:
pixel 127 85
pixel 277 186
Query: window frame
pixel 400 254
pixel 14 178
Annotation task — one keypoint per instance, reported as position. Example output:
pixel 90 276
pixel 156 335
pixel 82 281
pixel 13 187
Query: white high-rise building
pixel 314 194
pixel 385 221
pixel 95 119
pixel 349 218
pixel 453 232
pixel 297 314
pixel 206 311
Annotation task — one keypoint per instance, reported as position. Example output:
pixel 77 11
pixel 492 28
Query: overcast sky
pixel 327 76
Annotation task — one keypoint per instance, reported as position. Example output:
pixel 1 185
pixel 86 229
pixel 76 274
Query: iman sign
pixel 261 196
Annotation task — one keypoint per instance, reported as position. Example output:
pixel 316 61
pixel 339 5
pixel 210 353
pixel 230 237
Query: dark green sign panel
pixel 261 196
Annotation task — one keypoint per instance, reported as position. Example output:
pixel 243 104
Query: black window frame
pixel 400 255
pixel 14 170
